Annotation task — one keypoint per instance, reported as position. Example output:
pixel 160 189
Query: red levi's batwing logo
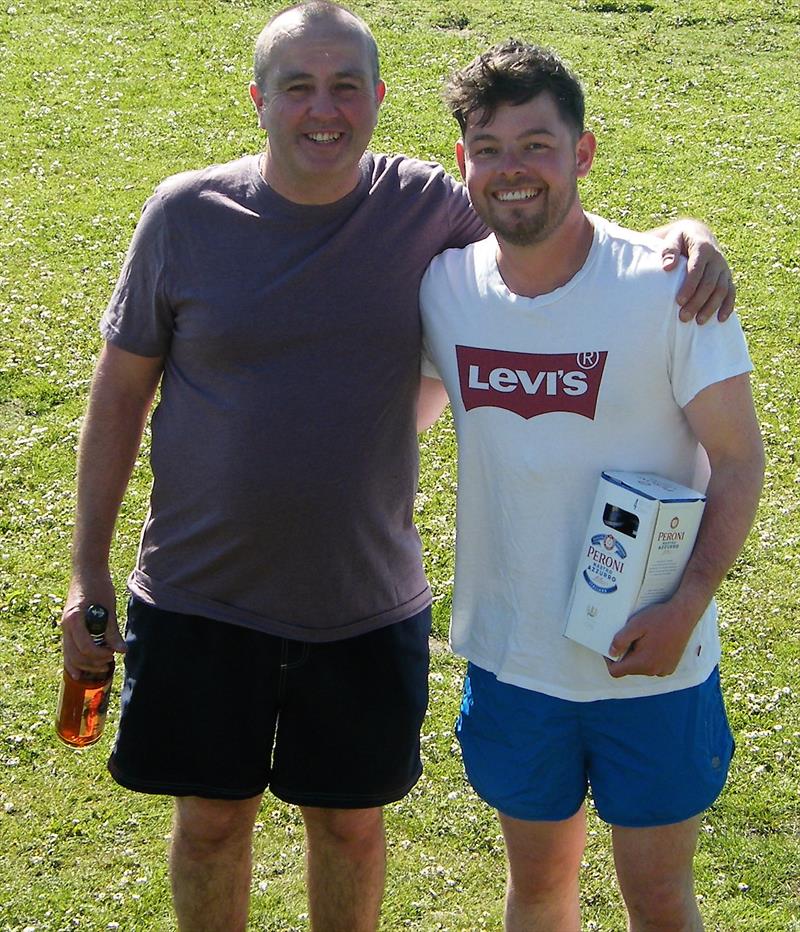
pixel 530 384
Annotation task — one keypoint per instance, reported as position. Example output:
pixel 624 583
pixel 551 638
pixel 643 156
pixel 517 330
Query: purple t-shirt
pixel 284 448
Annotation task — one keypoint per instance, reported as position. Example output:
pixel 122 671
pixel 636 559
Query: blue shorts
pixel 653 760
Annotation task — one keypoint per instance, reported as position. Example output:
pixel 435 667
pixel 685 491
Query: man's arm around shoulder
pixel 708 285
pixel 723 419
pixel 122 392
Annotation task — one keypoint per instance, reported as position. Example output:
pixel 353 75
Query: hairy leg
pixel 210 862
pixel 345 867
pixel 654 867
pixel 543 863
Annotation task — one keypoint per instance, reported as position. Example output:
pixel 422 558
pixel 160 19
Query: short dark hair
pixel 514 72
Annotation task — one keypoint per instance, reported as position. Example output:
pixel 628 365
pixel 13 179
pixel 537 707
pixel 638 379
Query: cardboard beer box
pixel 640 537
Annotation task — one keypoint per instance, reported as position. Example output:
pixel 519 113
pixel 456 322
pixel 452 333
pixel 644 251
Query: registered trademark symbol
pixel 588 360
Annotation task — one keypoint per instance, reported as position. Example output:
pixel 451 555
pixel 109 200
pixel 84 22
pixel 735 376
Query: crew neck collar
pixel 264 190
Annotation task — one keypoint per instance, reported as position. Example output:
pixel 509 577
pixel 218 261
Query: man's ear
pixel 258 102
pixel 380 92
pixel 584 153
pixel 461 158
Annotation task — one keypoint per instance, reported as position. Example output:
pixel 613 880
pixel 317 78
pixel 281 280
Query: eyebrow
pixel 490 137
pixel 306 75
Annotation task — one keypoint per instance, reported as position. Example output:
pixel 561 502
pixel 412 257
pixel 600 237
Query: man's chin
pixel 520 235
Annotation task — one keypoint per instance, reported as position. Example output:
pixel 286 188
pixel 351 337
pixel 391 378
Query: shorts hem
pixel 167 788
pixel 345 801
pixel 527 817
pixel 665 820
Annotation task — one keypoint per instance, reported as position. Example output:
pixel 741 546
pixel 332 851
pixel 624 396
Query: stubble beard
pixel 525 230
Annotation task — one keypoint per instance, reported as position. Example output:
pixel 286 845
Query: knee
pixel 348 829
pixel 211 824
pixel 662 906
pixel 543 883
pixel 552 872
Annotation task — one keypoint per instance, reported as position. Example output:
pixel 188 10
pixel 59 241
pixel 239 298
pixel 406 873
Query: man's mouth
pixel 324 138
pixel 519 194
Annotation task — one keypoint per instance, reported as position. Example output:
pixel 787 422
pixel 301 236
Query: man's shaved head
pixel 316 15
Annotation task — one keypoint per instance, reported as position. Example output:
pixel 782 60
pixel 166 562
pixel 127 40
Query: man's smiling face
pixel 522 169
pixel 319 108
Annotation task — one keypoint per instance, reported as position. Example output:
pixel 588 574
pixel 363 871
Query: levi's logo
pixel 530 384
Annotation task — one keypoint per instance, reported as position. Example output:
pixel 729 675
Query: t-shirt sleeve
pixel 139 317
pixel 427 366
pixel 465 226
pixel 702 356
pixel 426 297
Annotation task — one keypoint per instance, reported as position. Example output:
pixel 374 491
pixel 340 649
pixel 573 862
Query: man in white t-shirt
pixel 559 344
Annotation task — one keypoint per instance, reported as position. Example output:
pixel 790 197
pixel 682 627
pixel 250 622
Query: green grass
pixel 696 106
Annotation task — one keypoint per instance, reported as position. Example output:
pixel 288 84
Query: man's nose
pixel 323 105
pixel 511 163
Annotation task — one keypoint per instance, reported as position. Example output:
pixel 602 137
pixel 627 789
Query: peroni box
pixel 640 536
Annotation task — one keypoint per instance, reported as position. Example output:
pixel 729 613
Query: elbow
pixel 739 477
pixel 757 460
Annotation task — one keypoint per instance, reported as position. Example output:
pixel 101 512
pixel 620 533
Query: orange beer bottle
pixel 83 703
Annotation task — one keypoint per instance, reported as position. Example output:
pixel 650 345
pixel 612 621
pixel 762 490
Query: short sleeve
pixel 427 367
pixel 702 356
pixel 465 226
pixel 426 305
pixel 139 318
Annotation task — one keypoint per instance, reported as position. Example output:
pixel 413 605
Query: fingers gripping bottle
pixel 83 703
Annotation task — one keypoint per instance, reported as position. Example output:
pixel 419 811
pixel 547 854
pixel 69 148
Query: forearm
pixel 109 444
pixel 653 641
pixel 122 392
pixel 723 420
pixel 731 502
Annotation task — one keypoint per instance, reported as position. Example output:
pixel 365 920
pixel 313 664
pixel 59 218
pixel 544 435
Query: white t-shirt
pixel 546 392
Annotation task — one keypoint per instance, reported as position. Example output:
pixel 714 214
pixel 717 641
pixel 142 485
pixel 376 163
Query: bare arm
pixel 724 421
pixel 122 392
pixel 432 401
pixel 708 286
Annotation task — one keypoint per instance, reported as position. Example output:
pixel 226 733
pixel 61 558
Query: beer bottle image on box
pixel 83 703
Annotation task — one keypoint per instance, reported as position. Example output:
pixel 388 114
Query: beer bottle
pixel 83 703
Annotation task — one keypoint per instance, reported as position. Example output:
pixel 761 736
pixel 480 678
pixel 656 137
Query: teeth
pixel 324 137
pixel 523 194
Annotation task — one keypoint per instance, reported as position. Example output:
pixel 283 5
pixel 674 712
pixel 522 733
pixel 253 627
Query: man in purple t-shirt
pixel 274 300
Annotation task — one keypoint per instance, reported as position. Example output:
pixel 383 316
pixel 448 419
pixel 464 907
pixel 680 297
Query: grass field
pixel 696 107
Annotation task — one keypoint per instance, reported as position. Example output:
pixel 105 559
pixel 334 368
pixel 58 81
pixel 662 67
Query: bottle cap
pixel 96 618
pixel 618 519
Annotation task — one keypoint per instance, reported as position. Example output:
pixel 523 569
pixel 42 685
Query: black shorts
pixel 215 710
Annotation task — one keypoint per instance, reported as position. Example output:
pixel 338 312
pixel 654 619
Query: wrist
pixel 90 558
pixel 88 576
pixel 690 603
